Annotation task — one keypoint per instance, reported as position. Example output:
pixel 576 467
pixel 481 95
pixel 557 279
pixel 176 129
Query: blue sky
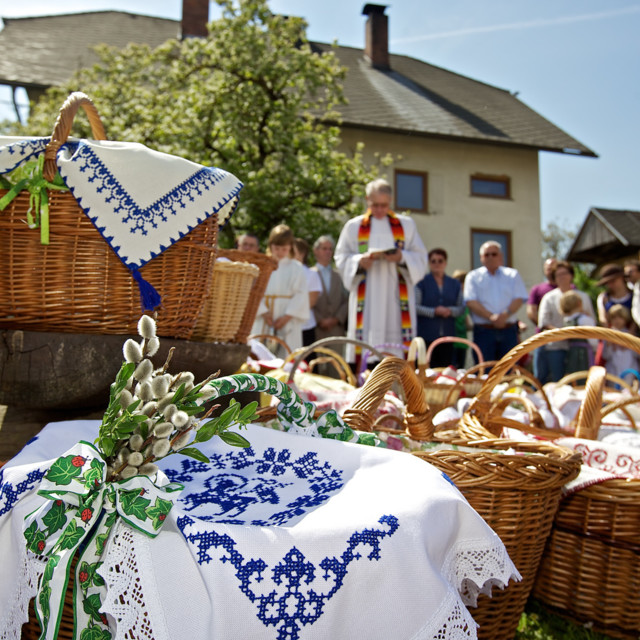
pixel 576 62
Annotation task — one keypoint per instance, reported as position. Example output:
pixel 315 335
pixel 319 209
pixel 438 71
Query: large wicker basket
pixel 76 283
pixel 590 570
pixel 223 310
pixel 514 486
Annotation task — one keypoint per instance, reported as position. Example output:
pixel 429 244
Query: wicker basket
pixel 223 310
pixel 438 394
pixel 590 570
pixel 76 283
pixel 516 494
pixel 266 264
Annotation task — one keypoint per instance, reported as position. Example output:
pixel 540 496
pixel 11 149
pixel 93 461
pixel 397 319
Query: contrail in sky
pixel 531 24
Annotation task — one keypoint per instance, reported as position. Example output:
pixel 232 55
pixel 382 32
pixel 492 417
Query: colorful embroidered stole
pixel 403 289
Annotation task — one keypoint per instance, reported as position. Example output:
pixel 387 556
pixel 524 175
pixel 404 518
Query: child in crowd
pixel 285 306
pixel 579 351
pixel 618 358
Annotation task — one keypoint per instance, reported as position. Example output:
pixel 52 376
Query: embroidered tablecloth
pixel 294 537
pixel 141 200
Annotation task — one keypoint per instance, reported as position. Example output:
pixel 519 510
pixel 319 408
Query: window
pixel 411 190
pixel 491 186
pixel 480 236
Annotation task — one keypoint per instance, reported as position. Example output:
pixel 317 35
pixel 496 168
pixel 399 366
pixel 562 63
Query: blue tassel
pixel 149 297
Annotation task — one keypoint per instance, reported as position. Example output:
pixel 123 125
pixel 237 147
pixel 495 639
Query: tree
pixel 556 241
pixel 251 98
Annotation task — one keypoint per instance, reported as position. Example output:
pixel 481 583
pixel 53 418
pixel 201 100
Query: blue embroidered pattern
pixel 10 494
pixel 230 497
pixel 295 599
pixel 139 219
pixel 18 152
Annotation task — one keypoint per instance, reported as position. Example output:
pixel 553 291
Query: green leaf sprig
pixel 152 414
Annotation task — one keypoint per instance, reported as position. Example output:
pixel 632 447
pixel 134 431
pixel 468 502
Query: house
pixel 468 151
pixel 607 235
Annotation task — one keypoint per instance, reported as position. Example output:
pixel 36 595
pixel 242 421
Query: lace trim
pixel 26 586
pixel 125 600
pixel 452 621
pixel 476 567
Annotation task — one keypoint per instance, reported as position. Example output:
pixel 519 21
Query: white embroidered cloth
pixel 142 201
pixel 292 538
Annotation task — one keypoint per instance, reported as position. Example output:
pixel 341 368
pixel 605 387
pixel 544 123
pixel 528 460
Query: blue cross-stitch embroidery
pixel 298 591
pixel 141 219
pixel 18 152
pixel 246 488
pixel 10 494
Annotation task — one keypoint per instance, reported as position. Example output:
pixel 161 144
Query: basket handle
pixel 621 404
pixel 445 339
pixel 267 336
pixel 482 401
pixel 360 415
pixel 62 128
pixel 324 342
pixel 342 366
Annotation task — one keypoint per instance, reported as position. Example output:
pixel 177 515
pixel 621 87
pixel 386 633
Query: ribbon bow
pixel 37 186
pixel 82 508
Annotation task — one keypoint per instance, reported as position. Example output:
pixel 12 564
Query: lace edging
pixel 26 587
pixel 477 567
pixel 125 600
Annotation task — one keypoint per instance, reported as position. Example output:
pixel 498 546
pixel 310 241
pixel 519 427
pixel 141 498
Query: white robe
pixel 289 284
pixel 382 320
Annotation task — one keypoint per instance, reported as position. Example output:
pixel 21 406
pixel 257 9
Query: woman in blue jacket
pixel 438 303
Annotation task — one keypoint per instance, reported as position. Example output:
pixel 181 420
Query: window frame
pixel 502 236
pixel 506 180
pixel 425 189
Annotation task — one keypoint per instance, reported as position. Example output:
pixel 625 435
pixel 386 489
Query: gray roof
pixel 413 97
pixel 420 98
pixel 45 50
pixel 606 235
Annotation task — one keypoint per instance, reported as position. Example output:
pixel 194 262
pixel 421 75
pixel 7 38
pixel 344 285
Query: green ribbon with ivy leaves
pixel 34 182
pixel 81 508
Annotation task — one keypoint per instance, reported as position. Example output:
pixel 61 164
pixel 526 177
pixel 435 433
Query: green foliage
pixel 539 624
pixel 251 98
pixel 584 282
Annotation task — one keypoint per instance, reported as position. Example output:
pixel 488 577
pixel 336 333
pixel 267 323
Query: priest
pixel 380 257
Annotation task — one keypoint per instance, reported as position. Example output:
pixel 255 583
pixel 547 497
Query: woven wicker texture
pixel 224 308
pixel 77 284
pixel 438 394
pixel 590 570
pixel 516 494
pixel 266 264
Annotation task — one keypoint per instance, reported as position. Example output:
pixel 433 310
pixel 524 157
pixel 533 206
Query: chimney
pixel 195 16
pixel 377 35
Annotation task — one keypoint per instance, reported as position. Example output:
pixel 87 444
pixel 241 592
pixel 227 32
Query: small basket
pixel 439 395
pixel 76 283
pixel 226 303
pixel 266 264
pixel 516 492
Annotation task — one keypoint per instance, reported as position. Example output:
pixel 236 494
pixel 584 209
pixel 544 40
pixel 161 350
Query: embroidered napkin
pixel 294 537
pixel 142 201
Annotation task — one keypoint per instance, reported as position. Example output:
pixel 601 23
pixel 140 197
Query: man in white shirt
pixel 494 294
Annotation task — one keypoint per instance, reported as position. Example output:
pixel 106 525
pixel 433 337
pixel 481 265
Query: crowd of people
pixel 385 288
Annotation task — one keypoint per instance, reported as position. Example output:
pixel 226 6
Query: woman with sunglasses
pixel 438 304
